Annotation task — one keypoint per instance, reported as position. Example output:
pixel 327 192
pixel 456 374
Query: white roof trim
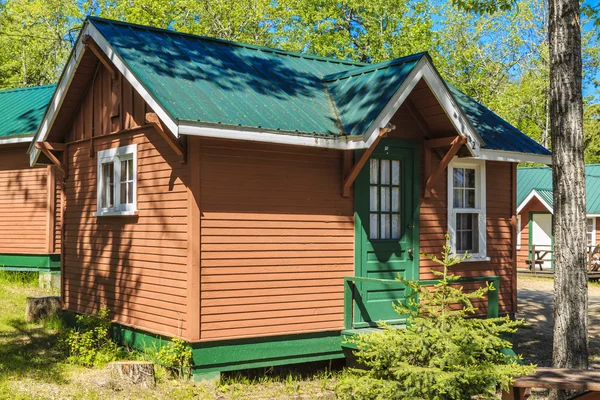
pixel 530 196
pixel 513 156
pixel 67 77
pixel 22 139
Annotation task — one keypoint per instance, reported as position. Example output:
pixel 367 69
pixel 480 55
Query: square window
pixel 117 181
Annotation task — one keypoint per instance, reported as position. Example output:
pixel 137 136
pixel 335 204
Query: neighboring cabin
pixel 535 209
pixel 221 192
pixel 30 199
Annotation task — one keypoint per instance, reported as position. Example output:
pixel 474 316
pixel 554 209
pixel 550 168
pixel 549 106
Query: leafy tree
pixel 443 353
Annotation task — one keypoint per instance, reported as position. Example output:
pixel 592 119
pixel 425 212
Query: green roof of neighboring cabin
pixel 21 110
pixel 540 180
pixel 214 81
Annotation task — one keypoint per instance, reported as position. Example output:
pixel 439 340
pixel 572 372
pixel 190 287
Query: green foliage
pixel 19 278
pixel 89 343
pixel 177 356
pixel 444 353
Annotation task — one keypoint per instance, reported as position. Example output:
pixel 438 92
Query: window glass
pixel 467 233
pixel 590 231
pixel 108 195
pixel 385 194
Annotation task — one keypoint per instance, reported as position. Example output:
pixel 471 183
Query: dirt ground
pixel 535 306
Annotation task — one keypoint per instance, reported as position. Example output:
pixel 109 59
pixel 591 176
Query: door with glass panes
pixel 387 215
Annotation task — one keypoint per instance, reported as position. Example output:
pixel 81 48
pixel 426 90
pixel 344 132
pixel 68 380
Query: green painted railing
pixel 350 290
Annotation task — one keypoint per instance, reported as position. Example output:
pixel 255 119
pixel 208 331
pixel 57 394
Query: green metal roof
pixel 214 81
pixel 21 110
pixel 540 180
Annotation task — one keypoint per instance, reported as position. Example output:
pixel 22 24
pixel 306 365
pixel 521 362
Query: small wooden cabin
pixel 535 239
pixel 30 199
pixel 257 203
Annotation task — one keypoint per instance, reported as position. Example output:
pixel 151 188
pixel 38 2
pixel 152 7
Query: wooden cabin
pixel 257 203
pixel 30 198
pixel 535 238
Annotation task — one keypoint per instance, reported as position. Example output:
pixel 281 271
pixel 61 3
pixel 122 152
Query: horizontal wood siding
pixel 23 203
pixel 277 240
pixel 136 265
pixel 434 225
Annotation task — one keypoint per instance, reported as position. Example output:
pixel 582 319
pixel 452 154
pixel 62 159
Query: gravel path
pixel 535 305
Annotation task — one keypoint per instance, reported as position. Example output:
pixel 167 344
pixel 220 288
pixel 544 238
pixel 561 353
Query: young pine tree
pixel 444 352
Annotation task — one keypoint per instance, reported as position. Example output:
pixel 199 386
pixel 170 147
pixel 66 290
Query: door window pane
pixel 385 199
pixel 590 231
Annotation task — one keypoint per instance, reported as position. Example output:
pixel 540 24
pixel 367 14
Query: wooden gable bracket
pixel 349 180
pixel 47 148
pixel 154 120
pixel 455 144
pixel 89 43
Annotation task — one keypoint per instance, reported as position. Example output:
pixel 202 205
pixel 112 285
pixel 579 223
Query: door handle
pixel 410 253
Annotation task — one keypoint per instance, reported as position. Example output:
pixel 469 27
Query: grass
pixel 32 366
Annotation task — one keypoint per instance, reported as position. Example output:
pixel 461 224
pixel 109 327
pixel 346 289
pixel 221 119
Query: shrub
pixel 444 353
pixel 176 356
pixel 89 343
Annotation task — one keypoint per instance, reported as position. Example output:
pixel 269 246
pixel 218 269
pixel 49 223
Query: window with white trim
pixel 591 231
pixel 466 207
pixel 519 229
pixel 117 181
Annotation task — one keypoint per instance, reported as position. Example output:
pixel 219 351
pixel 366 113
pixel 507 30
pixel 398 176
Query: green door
pixel 387 229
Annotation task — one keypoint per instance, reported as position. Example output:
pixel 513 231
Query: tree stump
pixel 140 373
pixel 41 307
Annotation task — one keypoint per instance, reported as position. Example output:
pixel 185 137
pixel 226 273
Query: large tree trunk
pixel 568 177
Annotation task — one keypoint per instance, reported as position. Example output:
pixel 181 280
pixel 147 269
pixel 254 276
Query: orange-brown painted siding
pixel 24 204
pixel 434 225
pixel 136 265
pixel 277 239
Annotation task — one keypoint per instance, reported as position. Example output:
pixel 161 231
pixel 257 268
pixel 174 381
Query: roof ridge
pixel 372 67
pixel 23 89
pixel 230 42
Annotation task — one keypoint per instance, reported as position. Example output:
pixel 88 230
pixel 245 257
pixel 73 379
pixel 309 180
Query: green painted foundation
pixel 212 358
pixel 30 262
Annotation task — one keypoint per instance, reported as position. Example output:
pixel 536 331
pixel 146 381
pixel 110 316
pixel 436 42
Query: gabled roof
pixel 210 87
pixel 21 111
pixel 537 182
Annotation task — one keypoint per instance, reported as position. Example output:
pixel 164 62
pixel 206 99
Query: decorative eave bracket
pixel 47 148
pixel 154 120
pixel 431 178
pixel 89 43
pixel 353 174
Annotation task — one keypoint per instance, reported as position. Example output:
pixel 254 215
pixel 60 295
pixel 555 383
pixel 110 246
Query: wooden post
pixel 50 209
pixel 515 232
pixel 193 235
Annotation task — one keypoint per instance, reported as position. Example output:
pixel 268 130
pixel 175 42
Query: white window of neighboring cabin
pixel 591 231
pixel 519 229
pixel 117 181
pixel 466 208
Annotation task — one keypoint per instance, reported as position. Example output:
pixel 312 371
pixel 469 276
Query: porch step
pixel 348 333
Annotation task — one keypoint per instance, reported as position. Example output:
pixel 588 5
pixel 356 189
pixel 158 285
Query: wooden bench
pixel 555 378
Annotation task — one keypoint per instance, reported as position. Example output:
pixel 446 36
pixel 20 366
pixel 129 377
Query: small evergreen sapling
pixel 444 353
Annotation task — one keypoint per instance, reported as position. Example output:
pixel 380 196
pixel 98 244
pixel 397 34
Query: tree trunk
pixel 568 178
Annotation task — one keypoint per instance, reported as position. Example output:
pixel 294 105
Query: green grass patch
pixel 34 366
pixel 19 278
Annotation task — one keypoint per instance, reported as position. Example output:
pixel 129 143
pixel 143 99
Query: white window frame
pixel 519 231
pixel 480 205
pixel 593 230
pixel 116 155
